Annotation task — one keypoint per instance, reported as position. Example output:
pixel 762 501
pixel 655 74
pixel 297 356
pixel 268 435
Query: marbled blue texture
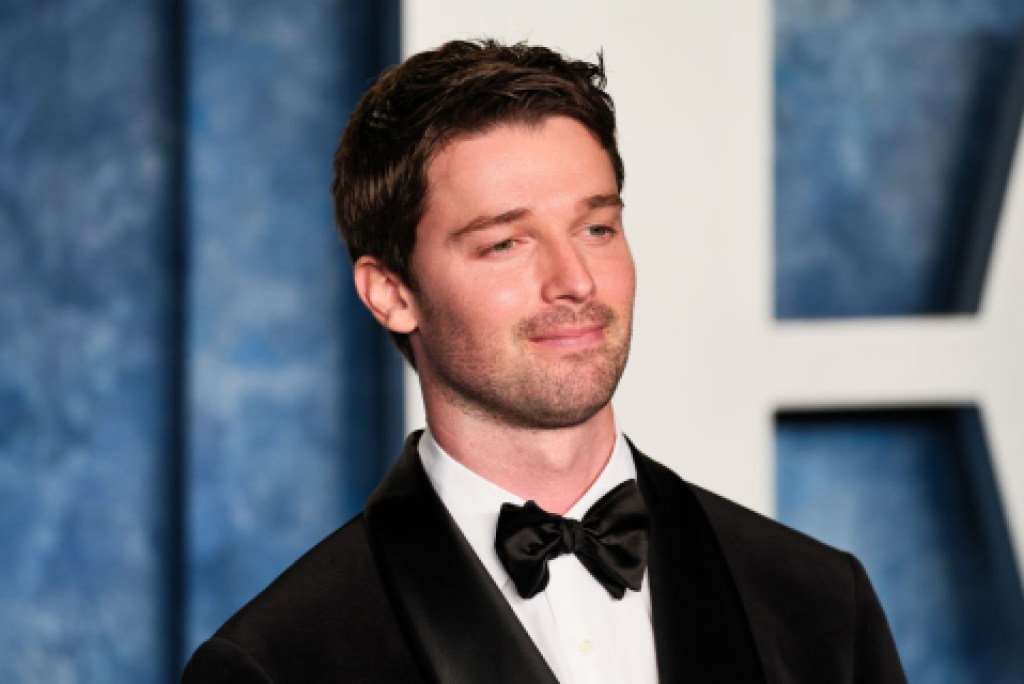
pixel 175 311
pixel 886 121
pixel 88 343
pixel 293 401
pixel 895 488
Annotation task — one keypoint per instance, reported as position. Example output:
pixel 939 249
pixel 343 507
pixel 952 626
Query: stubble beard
pixel 527 388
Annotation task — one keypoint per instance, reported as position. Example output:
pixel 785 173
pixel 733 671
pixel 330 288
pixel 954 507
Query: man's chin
pixel 567 405
pixel 554 417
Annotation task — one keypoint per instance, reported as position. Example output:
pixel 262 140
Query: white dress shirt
pixel 585 635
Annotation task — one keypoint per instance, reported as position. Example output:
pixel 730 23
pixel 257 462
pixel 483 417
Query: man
pixel 521 538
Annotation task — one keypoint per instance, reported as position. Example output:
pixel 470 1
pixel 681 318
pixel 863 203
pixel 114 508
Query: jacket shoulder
pixel 811 607
pixel 754 541
pixel 749 538
pixel 326 618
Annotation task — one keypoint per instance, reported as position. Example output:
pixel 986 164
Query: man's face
pixel 524 278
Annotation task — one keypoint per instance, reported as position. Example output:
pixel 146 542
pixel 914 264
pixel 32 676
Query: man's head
pixel 459 89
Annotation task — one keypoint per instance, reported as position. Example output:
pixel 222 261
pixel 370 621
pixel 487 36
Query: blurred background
pixel 828 319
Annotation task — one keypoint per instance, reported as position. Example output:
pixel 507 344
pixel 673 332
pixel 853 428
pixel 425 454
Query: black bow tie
pixel 610 541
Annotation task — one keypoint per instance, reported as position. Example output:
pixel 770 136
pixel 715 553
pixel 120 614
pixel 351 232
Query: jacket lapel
pixel 457 622
pixel 700 625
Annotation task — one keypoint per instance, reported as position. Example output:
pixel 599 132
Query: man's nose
pixel 567 274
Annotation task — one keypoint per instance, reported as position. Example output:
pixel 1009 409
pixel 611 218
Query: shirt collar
pixel 474 502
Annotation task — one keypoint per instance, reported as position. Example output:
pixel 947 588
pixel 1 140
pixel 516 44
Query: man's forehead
pixel 493 142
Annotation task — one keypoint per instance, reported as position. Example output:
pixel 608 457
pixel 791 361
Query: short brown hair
pixel 434 97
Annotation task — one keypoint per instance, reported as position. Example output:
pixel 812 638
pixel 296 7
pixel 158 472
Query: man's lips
pixel 569 337
pixel 564 330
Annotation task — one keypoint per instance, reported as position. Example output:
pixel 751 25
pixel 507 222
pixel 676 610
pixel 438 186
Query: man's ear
pixel 385 295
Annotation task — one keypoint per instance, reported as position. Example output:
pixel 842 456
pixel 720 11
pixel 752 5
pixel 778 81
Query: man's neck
pixel 552 467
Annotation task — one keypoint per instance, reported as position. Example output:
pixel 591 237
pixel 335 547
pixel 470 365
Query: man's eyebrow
pixel 484 222
pixel 513 215
pixel 600 201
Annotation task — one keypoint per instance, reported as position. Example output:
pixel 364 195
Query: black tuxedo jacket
pixel 397 595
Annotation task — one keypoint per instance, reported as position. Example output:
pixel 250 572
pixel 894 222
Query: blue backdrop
pixel 894 126
pixel 190 396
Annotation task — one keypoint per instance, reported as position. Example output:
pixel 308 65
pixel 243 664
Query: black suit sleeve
pixel 875 659
pixel 221 661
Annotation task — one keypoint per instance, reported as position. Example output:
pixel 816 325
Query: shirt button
pixel 586 647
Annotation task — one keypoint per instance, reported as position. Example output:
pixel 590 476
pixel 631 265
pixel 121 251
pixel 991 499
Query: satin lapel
pixel 457 621
pixel 701 630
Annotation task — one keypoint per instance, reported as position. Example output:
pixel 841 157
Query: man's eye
pixel 502 246
pixel 599 231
